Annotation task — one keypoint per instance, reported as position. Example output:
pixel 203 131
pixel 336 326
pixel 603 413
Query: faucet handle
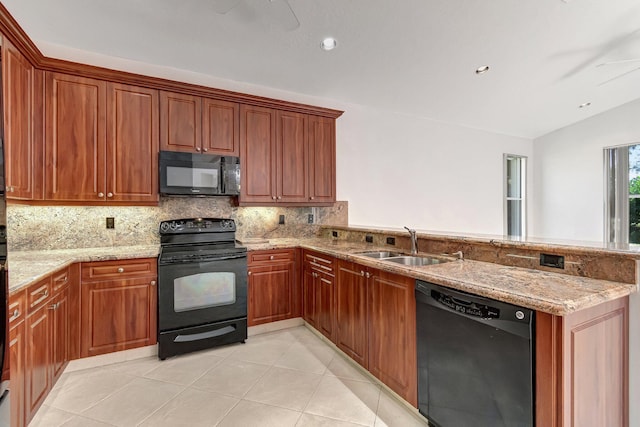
pixel 409 229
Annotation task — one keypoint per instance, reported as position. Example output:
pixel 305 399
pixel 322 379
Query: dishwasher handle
pixel 500 315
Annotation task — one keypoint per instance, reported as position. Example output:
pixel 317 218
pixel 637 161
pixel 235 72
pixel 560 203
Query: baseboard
pixel 111 358
pixel 275 326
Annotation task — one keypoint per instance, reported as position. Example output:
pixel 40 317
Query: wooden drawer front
pixel 60 280
pixel 320 263
pixel 38 294
pixel 119 269
pixel 17 308
pixel 272 256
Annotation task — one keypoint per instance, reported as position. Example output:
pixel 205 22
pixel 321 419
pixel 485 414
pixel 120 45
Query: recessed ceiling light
pixel 329 43
pixel 482 70
pixel 585 105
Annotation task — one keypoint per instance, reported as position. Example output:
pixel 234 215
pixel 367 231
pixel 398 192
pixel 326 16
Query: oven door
pixel 192 294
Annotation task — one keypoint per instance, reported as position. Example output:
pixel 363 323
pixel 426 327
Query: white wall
pixel 398 170
pixel 569 194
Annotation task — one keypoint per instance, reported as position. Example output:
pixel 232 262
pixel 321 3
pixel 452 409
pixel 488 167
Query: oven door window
pixel 204 290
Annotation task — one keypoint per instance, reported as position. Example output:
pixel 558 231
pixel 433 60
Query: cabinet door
pixel 132 144
pixel 180 122
pixel 291 157
pixel 272 295
pixel 17 367
pixel 392 333
pixel 257 150
pixel 38 359
pixel 322 160
pixel 60 316
pixel 309 312
pixel 351 311
pixel 75 138
pixel 117 315
pixel 220 127
pixel 325 305
pixel 18 75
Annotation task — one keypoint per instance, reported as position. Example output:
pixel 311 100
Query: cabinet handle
pixel 63 280
pixel 153 283
pixel 100 194
pixel 15 315
pixel 362 272
pixel 120 270
pixel 205 149
pixel 109 194
pixel 198 149
pixel 45 293
pixel 368 274
pixel 54 306
pixel 248 273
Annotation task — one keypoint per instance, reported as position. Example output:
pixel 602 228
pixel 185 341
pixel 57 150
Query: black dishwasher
pixel 475 359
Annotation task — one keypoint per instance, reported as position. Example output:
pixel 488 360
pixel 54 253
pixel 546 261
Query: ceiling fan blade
pixel 283 14
pixel 618 76
pixel 622 61
pixel 224 6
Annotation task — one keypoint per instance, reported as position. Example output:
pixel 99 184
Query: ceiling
pixel 412 56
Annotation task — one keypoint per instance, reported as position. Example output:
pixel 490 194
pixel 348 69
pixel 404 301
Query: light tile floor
pixel 284 378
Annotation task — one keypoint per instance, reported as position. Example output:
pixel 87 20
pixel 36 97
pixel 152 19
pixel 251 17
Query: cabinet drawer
pixel 17 308
pixel 100 270
pixel 318 262
pixel 38 294
pixel 60 280
pixel 272 256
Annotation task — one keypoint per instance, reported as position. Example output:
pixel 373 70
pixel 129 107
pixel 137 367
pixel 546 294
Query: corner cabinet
pixel 288 158
pixel 101 141
pixel 118 305
pixel 274 291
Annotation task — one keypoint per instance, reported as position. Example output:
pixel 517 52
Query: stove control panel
pixel 197 225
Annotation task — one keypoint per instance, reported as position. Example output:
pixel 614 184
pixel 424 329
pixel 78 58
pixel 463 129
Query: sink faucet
pixel 414 240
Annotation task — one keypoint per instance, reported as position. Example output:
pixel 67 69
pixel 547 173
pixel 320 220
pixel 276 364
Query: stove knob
pixel 164 227
pixel 173 225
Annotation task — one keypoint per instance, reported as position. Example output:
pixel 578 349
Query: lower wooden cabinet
pixel 118 305
pixel 392 332
pixel 17 348
pixel 351 311
pixel 273 287
pixel 318 284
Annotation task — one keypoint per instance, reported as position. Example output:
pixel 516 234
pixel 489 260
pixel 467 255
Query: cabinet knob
pixel 101 194
pixel 271 257
pixel 205 149
pixel 15 314
pixel 273 197
pixel 120 270
pixel 311 198
pixel 198 149
pixel 45 293
pixel 153 283
pixel 248 273
pixel 54 306
pixel 368 274
pixel 362 272
pixel 279 197
pixel 109 194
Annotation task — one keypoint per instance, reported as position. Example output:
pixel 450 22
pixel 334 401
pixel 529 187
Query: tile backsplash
pixel 63 227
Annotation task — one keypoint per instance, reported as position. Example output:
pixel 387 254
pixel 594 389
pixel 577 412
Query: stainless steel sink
pixel 380 254
pixel 414 260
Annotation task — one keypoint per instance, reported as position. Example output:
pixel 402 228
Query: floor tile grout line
pixel 161 406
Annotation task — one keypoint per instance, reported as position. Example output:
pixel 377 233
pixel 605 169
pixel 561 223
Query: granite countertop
pixel 553 293
pixel 30 266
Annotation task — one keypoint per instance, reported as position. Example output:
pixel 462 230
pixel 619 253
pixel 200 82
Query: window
pixel 515 172
pixel 622 194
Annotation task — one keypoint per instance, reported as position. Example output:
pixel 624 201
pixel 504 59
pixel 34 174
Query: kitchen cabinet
pixel 274 291
pixel 287 158
pixel 351 311
pixel 22 88
pixel 101 141
pixel 17 348
pixel 392 332
pixel 118 305
pixel 318 282
pixel 194 124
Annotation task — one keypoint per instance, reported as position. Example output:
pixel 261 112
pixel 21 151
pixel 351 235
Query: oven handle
pixel 205 335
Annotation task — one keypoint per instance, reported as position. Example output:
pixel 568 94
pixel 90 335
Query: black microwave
pixel 191 174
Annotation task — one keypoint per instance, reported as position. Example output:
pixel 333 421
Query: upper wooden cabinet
pixel 22 86
pixel 287 158
pixel 101 141
pixel 198 125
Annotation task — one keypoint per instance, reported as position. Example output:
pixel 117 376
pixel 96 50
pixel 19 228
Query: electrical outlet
pixel 334 233
pixel 281 219
pixel 368 238
pixel 391 241
pixel 111 222
pixel 310 219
